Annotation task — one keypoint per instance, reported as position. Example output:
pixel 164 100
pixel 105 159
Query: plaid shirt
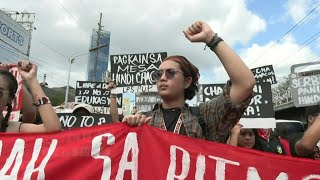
pixel 220 116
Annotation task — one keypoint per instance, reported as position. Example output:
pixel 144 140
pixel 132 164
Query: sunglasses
pixel 2 93
pixel 169 73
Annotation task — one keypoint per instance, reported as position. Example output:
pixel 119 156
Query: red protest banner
pixel 117 151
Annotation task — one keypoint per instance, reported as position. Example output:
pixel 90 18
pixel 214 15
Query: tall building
pixel 103 55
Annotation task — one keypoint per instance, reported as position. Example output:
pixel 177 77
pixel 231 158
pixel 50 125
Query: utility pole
pixel 97 52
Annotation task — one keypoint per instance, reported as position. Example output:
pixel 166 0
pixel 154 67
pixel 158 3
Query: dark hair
pixel 189 70
pixel 12 86
pixel 312 111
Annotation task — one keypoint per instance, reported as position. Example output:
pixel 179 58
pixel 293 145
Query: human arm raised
pixel 240 75
pixel 234 135
pixel 51 123
pixel 305 146
pixel 113 103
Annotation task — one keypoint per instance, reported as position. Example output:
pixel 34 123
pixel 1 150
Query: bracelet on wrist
pixel 42 101
pixel 213 42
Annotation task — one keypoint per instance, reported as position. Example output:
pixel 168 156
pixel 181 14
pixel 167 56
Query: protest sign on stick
pixel 133 72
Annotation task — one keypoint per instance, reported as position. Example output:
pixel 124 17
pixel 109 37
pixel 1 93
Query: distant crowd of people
pixel 177 80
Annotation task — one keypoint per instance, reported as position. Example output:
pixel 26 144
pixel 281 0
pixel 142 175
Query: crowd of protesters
pixel 177 81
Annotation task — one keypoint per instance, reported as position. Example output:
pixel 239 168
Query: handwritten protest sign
pixel 133 72
pixel 260 107
pixel 210 91
pixel 305 89
pixel 95 94
pixel 264 74
pixel 146 101
pixel 70 120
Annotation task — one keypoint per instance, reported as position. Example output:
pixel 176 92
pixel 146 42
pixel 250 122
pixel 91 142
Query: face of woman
pixel 171 82
pixel 246 138
pixel 4 93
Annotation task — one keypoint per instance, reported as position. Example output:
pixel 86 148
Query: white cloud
pixel 282 56
pixel 298 9
pixel 136 27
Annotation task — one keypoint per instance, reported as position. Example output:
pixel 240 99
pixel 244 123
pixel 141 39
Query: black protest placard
pixel 70 120
pixel 95 93
pixel 264 74
pixel 305 89
pixel 146 100
pixel 261 105
pixel 133 72
pixel 210 91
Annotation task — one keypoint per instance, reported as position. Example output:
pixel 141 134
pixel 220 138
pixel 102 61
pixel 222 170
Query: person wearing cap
pixel 83 108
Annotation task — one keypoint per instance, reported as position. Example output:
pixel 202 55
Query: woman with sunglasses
pixel 177 81
pixel 8 88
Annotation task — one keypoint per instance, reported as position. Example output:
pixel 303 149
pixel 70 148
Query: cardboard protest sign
pixel 146 101
pixel 133 72
pixel 95 94
pixel 260 108
pixel 305 89
pixel 261 103
pixel 264 74
pixel 70 120
pixel 210 91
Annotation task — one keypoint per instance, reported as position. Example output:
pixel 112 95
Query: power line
pixel 83 5
pixel 67 11
pixel 40 65
pixel 303 45
pixel 294 27
pixel 22 56
pixel 53 49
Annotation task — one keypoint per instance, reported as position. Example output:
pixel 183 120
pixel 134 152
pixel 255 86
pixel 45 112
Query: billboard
pixel 13 34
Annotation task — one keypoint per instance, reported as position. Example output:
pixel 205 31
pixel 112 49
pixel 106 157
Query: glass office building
pixel 102 57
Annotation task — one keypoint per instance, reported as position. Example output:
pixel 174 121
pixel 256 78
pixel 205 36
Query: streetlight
pixel 71 60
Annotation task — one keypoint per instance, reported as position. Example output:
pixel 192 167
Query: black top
pixel 171 117
pixel 273 145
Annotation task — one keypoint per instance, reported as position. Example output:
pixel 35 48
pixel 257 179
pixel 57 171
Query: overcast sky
pixel 251 27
